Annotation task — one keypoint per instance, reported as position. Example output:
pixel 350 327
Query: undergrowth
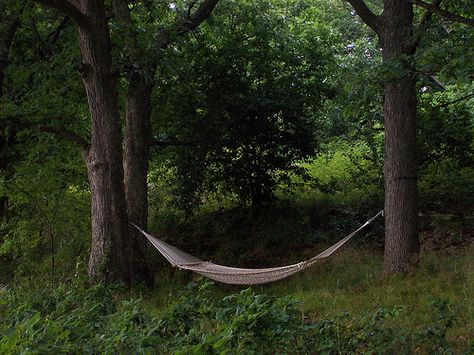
pixel 76 319
pixel 341 305
pixel 330 310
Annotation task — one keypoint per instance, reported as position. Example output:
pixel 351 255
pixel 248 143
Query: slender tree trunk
pixel 136 150
pixel 7 136
pixel 136 156
pixel 5 44
pixel 400 167
pixel 138 127
pixel 104 157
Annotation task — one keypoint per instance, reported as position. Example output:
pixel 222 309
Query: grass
pixel 345 304
pixel 351 282
pixel 343 192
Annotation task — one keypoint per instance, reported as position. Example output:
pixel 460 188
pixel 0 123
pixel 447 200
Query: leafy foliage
pixel 74 319
pixel 42 179
pixel 246 99
pixel 71 319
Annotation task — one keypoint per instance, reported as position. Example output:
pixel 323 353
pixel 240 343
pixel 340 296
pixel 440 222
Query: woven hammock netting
pixel 240 276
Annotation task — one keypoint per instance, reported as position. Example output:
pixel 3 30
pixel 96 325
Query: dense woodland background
pixel 252 133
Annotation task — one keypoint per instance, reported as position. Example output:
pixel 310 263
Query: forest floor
pixel 351 282
pixel 341 305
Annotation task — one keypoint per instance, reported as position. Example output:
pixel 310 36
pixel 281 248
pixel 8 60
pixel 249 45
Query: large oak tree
pixel 115 253
pixel 395 29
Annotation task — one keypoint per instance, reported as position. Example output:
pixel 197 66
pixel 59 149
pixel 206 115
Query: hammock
pixel 238 276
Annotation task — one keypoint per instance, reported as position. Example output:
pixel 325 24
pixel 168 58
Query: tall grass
pixel 352 283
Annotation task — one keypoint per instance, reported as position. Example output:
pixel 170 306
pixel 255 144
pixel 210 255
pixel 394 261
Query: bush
pixel 75 319
pixel 447 186
pixel 72 319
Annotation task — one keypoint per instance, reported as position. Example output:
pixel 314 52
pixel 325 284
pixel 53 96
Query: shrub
pixel 76 319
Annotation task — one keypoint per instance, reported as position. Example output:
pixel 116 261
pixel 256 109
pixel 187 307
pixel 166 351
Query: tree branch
pixel 8 38
pixel 454 101
pixel 199 16
pixel 45 47
pixel 69 9
pixel 54 35
pixel 424 25
pixel 191 22
pixel 366 14
pixel 121 11
pixel 155 142
pixel 427 16
pixel 190 7
pixel 443 13
pixel 69 135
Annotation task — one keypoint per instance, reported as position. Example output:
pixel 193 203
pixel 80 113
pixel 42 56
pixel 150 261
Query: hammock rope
pixel 240 276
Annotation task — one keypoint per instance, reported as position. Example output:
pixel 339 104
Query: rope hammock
pixel 238 276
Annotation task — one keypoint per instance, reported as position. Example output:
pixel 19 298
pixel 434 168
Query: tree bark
pixel 136 156
pixel 400 164
pixel 7 136
pixel 138 135
pixel 108 260
pixel 137 142
pixel 5 45
pixel 395 31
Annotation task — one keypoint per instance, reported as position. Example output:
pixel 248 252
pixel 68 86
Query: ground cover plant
pixel 334 310
pixel 342 305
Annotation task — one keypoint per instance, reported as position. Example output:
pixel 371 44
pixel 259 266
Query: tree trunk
pixel 104 158
pixel 5 44
pixel 7 134
pixel 400 167
pixel 137 150
pixel 136 156
pixel 138 130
